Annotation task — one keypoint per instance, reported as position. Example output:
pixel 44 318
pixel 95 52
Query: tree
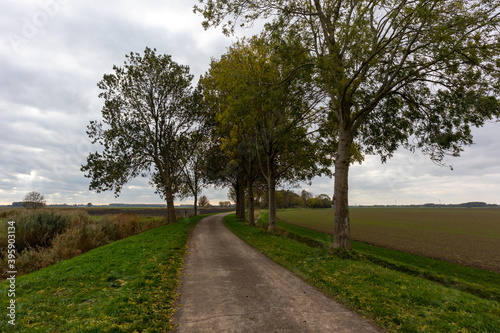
pixel 204 202
pixel 305 195
pixel 314 203
pixel 289 197
pixel 296 202
pixel 267 123
pixel 34 200
pixel 148 115
pixel 411 73
pixel 326 201
pixel 226 161
pixel 230 134
pixel 280 200
pixel 224 168
pixel 193 174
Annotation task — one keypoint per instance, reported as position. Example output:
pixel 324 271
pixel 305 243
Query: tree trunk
pixel 240 198
pixel 169 197
pixel 341 234
pixel 171 217
pixel 196 204
pixel 251 203
pixel 271 190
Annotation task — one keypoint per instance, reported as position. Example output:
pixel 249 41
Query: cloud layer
pixel 53 53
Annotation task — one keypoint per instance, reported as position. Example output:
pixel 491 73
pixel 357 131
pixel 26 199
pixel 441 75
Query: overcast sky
pixel 53 53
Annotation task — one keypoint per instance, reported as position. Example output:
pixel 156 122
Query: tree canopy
pixel 265 126
pixel 148 114
pixel 34 200
pixel 412 73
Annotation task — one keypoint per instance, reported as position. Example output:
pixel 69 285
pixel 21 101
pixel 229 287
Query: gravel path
pixel 230 287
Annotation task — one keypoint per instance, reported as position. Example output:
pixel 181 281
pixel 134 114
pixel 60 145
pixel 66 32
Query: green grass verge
pixel 125 286
pixel 393 300
pixel 479 282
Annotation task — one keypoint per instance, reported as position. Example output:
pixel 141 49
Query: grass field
pixel 467 236
pixel 394 300
pixel 126 286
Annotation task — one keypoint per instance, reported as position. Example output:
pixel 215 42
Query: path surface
pixel 230 287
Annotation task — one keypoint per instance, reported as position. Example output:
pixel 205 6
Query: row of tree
pixel 241 127
pixel 290 199
pixel 323 84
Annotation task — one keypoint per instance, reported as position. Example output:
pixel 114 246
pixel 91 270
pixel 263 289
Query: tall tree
pixel 148 114
pixel 231 158
pixel 193 177
pixel 305 195
pixel 269 122
pixel 412 73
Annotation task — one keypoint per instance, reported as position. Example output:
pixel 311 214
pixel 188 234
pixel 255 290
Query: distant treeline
pixel 115 205
pixel 284 199
pixel 290 199
pixel 473 204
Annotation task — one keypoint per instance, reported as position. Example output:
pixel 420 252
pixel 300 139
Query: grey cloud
pixel 48 95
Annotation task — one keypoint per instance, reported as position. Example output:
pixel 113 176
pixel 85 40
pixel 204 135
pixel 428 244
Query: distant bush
pixel 128 224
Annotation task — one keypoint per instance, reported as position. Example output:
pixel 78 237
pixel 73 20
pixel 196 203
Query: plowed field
pixel 468 236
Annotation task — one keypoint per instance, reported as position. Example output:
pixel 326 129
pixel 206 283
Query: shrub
pixel 78 239
pixel 85 235
pixel 39 228
pixel 128 224
pixel 110 229
pixel 30 260
pixel 9 213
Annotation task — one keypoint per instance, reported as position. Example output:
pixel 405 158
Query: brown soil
pixel 154 211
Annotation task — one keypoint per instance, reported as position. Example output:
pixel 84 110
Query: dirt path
pixel 230 287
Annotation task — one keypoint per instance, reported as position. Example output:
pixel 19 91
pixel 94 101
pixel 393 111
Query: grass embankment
pixel 125 286
pixel 47 236
pixel 394 300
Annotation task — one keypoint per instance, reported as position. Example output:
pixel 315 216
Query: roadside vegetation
pixel 125 286
pixel 372 282
pixel 47 236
